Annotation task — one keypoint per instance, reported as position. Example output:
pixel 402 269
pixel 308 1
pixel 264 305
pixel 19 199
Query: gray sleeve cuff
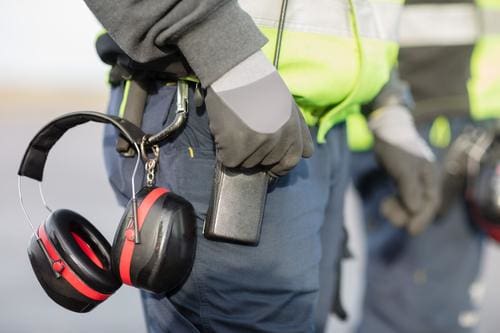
pixel 220 42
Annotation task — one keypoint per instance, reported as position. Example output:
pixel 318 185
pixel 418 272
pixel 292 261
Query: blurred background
pixel 48 67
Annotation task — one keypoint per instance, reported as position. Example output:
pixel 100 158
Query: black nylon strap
pixel 35 156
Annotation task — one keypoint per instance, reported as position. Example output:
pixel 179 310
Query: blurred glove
pixel 254 119
pixel 409 161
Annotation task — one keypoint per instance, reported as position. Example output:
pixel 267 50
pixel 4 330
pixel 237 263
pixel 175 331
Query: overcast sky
pixel 49 43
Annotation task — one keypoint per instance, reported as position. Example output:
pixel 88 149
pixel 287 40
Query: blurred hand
pixel 254 119
pixel 409 161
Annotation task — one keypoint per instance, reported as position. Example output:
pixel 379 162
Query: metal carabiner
pixel 180 114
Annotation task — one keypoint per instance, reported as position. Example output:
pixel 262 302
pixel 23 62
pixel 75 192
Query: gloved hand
pixel 409 161
pixel 254 119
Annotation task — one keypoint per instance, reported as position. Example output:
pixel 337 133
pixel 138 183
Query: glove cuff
pixel 250 70
pixel 394 124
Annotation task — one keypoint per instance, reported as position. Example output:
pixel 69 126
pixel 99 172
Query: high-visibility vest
pixel 484 84
pixel 335 54
pixel 444 25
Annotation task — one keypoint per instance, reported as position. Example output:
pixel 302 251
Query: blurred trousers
pixel 417 284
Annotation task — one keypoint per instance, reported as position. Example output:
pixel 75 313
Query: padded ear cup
pixel 164 258
pixel 81 256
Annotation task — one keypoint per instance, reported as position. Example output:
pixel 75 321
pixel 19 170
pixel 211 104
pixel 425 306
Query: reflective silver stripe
pixel 331 17
pixel 434 25
pixel 490 21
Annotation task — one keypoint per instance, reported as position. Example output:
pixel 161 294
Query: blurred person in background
pixel 426 281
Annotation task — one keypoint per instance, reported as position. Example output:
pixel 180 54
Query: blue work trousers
pixel 274 287
pixel 417 284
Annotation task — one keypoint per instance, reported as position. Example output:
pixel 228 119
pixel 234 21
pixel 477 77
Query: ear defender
pixel 74 264
pixel 163 259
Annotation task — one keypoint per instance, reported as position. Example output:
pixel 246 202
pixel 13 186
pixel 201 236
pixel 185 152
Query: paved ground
pixel 75 179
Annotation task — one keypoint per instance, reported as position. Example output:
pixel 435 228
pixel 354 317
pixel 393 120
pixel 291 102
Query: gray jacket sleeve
pixel 213 35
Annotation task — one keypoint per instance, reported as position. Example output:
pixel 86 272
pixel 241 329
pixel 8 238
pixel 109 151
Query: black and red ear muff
pixel 76 265
pixel 75 268
pixel 163 259
pixel 70 258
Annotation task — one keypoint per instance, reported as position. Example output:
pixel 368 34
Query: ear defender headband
pixel 72 260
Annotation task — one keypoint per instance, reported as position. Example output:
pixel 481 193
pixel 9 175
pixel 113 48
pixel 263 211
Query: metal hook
pixel 145 145
pixel 180 114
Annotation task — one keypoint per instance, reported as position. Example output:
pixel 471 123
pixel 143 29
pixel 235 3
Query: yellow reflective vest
pixel 335 54
pixel 483 86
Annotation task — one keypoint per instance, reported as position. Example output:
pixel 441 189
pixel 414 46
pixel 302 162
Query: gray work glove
pixel 254 119
pixel 409 161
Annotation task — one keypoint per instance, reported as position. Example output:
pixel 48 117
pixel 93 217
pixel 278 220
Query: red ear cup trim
pixel 490 229
pixel 129 244
pixel 66 272
pixel 87 250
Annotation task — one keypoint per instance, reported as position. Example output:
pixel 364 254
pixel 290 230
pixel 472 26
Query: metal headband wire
pixel 137 239
pixel 134 198
pixel 43 197
pixel 26 215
